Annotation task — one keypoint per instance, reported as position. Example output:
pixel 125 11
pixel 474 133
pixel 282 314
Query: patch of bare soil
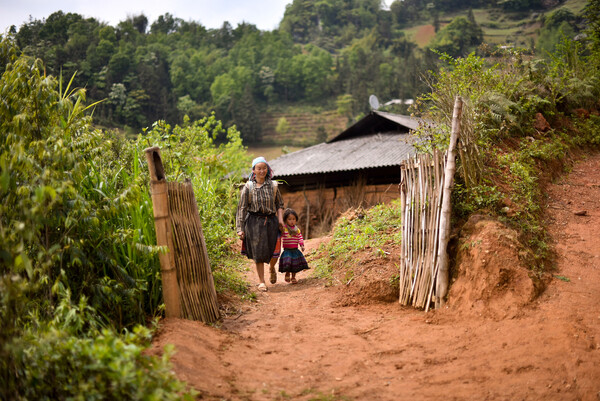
pixel 373 280
pixel 424 35
pixel 494 340
pixel 491 279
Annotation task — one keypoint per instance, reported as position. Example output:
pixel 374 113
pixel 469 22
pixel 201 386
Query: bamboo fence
pixel 190 292
pixel 196 284
pixel 425 190
pixel 422 179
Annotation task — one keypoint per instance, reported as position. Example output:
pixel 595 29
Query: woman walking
pixel 259 218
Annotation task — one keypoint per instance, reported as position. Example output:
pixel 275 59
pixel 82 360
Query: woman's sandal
pixel 262 287
pixel 294 281
pixel 287 277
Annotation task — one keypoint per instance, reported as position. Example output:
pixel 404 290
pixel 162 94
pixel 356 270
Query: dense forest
pixel 330 54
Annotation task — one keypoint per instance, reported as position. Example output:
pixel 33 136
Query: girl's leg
pixel 293 280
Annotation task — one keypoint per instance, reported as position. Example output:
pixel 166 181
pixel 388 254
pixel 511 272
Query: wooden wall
pixel 326 204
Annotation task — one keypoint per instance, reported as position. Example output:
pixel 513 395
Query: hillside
pixel 304 127
pixel 322 53
pixel 519 29
pixel 499 27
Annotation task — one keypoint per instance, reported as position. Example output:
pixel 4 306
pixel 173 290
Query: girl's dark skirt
pixel 260 237
pixel 292 260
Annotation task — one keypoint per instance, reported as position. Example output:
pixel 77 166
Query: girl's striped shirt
pixel 292 241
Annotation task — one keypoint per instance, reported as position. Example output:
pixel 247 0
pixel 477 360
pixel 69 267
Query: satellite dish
pixel 374 102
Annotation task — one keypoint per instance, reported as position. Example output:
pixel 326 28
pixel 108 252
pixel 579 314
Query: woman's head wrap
pixel 261 159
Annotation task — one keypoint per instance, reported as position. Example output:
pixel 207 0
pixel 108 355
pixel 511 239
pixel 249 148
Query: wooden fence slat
pixel 196 297
pixel 426 181
pixel 420 200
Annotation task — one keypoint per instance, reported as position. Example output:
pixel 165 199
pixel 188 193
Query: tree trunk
pixel 444 233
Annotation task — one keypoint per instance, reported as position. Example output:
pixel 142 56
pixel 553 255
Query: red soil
pixel 495 340
pixel 424 35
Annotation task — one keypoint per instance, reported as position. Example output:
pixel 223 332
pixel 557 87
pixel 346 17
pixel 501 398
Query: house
pixel 358 167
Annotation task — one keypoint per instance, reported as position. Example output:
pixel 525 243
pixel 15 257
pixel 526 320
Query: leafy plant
pixel 358 230
pixel 502 154
pixel 78 268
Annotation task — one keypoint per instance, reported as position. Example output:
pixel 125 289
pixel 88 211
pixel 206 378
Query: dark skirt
pixel 260 237
pixel 292 261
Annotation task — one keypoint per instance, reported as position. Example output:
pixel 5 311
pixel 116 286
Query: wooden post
pixel 402 190
pixel 307 211
pixel 162 223
pixel 444 233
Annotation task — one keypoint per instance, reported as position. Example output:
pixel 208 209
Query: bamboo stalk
pixel 444 235
pixel 402 229
pixel 159 193
pixel 207 286
pixel 196 276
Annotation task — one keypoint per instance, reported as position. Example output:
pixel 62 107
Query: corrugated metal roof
pixel 407 121
pixel 367 151
pixel 377 122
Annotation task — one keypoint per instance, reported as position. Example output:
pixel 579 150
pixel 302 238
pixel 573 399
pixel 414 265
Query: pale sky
pixel 265 14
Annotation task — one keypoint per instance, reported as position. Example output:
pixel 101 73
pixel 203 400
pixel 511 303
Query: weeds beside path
pixel 292 344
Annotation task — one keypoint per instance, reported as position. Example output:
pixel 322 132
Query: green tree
pixel 558 25
pixel 458 38
pixel 345 106
pixel 246 117
pixel 283 126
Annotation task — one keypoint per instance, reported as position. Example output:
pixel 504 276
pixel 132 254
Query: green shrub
pixel 77 261
pixel 501 154
pixel 75 206
pixel 55 365
pixel 362 229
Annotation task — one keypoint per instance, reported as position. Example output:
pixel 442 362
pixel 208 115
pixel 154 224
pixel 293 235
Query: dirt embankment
pixel 495 340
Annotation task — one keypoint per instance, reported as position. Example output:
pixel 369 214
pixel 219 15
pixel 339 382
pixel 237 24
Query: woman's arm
pixel 280 217
pixel 242 211
pixel 279 206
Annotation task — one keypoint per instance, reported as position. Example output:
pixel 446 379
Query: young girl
pixel 292 260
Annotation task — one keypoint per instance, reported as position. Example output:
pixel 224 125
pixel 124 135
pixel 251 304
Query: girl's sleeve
pixel 300 239
pixel 242 209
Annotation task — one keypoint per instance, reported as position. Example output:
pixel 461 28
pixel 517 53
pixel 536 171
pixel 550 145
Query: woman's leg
pixel 260 270
pixel 272 271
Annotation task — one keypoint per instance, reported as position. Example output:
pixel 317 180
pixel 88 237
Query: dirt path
pixel 293 344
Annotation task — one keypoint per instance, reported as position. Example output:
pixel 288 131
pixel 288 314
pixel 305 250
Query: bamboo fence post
pixel 307 211
pixel 160 203
pixel 402 188
pixel 444 233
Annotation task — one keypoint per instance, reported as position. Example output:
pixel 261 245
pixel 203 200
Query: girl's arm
pixel 301 241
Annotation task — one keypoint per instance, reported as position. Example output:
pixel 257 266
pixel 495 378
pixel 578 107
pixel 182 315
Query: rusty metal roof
pixel 378 140
pixel 364 152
